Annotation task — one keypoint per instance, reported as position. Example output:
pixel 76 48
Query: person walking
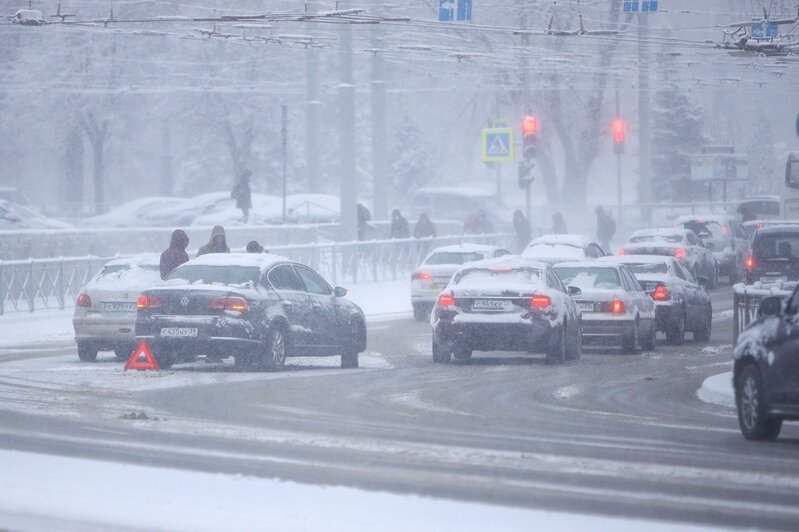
pixel 399 225
pixel 605 228
pixel 558 224
pixel 241 193
pixel 217 243
pixel 175 254
pixel 424 227
pixel 254 247
pixel 524 234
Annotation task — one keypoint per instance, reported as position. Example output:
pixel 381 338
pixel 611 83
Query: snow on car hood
pixel 752 340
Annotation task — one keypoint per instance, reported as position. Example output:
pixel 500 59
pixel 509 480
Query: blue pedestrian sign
pixel 497 144
pixel 452 10
pixel 646 6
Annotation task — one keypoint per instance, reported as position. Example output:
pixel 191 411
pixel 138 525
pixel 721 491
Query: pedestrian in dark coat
pixel 559 224
pixel 241 193
pixel 175 254
pixel 605 228
pixel 399 225
pixel 254 247
pixel 523 232
pixel 424 227
pixel 217 244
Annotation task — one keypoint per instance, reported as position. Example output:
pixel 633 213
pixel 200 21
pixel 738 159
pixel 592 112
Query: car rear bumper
pixel 104 331
pixel 216 337
pixel 601 328
pixel 533 337
pixel 209 346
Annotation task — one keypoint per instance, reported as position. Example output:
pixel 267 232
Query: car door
pixel 642 301
pixel 782 375
pixel 328 324
pixel 694 309
pixel 296 303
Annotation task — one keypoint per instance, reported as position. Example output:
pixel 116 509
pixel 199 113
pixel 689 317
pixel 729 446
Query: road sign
pixel 497 145
pixel 451 10
pixel 646 6
pixel 142 358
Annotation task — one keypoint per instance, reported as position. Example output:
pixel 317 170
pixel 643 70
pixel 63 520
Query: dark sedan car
pixel 766 370
pixel 506 304
pixel 773 255
pixel 258 308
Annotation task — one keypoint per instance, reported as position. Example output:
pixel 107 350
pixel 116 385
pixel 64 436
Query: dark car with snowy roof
pixel 257 308
pixel 773 255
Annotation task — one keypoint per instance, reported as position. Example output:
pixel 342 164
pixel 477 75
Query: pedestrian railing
pixel 29 285
pixel 746 300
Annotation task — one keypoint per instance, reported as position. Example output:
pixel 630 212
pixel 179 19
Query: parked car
pixel 725 237
pixel 683 244
pixel 257 308
pixel 681 304
pixel 130 214
pixel 553 249
pixel 16 216
pixel 763 207
pixel 437 268
pixel 506 304
pixel 264 210
pixel 183 210
pixel 105 310
pixel 766 369
pixel 773 254
pixel 615 308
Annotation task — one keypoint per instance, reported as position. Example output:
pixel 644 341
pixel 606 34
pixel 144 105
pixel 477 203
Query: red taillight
pixel 749 264
pixel 421 276
pixel 83 301
pixel 617 306
pixel 144 302
pixel 679 253
pixel 621 251
pixel 661 293
pixel 231 304
pixel 540 302
pixel 446 300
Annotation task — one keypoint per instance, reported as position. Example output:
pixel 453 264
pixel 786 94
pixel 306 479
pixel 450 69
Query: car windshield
pixel 657 237
pixel 453 257
pixel 777 246
pixel 500 275
pixel 710 232
pixel 228 275
pixel 586 278
pixel 645 268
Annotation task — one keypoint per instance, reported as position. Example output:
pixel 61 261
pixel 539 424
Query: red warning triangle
pixel 142 358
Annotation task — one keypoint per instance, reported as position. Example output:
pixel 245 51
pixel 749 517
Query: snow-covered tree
pixel 409 159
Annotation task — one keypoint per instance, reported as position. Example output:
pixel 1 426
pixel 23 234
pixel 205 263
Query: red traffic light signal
pixel 529 126
pixel 619 128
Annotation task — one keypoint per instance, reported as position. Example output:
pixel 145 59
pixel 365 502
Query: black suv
pixel 766 371
pixel 773 255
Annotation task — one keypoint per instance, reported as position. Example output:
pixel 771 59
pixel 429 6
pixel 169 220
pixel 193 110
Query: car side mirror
pixel 339 291
pixel 769 307
pixel 574 291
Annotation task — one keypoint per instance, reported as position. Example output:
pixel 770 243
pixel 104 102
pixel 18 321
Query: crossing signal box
pixel 619 129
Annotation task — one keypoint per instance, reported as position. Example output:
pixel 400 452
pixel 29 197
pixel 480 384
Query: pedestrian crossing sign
pixel 497 145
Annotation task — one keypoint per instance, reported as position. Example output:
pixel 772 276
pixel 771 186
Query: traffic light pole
pixel 618 162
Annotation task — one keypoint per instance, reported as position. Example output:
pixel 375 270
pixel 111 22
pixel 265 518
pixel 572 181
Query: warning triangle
pixel 142 358
pixel 498 147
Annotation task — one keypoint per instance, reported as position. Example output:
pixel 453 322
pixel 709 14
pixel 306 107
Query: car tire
pixel 87 352
pixel 631 344
pixel 703 334
pixel 649 343
pixel 274 355
pixel 557 352
pixel 349 358
pixel 421 312
pixel 754 422
pixel 676 331
pixel 461 353
pixel 575 350
pixel 123 353
pixel 442 351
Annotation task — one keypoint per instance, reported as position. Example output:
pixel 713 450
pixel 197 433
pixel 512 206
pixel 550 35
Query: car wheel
pixel 124 352
pixel 631 344
pixel 649 343
pixel 442 351
pixel 461 353
pixel 87 352
pixel 676 331
pixel 575 351
pixel 753 420
pixel 557 353
pixel 274 356
pixel 349 358
pixel 703 334
pixel 421 312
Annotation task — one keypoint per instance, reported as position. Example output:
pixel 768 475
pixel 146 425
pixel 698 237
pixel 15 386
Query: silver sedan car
pixel 105 311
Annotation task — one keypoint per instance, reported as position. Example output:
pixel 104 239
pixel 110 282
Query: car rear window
pixel 589 277
pixel 777 246
pixel 453 257
pixel 648 268
pixel 710 232
pixel 500 275
pixel 674 239
pixel 228 275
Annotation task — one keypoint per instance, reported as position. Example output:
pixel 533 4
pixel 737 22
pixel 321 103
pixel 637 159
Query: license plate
pixel 586 307
pixel 492 304
pixel 179 332
pixel 118 306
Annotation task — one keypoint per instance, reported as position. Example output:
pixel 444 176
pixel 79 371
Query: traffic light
pixel 529 137
pixel 619 128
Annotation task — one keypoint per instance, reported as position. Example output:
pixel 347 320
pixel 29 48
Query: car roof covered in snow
pixel 661 231
pixel 778 229
pixel 465 248
pixel 704 218
pixel 258 260
pixel 507 261
pixel 637 259
pixel 589 264
pixel 575 240
pixel 148 259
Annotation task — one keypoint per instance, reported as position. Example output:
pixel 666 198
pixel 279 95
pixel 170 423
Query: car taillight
pixel 446 300
pixel 679 253
pixel 540 302
pixel 621 251
pixel 144 302
pixel 421 276
pixel 661 293
pixel 231 304
pixel 617 306
pixel 83 301
pixel 749 264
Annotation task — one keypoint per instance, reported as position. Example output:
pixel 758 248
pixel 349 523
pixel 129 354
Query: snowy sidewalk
pixel 718 390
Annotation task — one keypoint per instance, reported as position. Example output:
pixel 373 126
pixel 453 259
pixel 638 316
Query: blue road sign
pixel 497 145
pixel 451 10
pixel 634 6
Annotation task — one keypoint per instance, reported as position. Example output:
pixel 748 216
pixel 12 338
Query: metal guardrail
pixel 746 300
pixel 28 285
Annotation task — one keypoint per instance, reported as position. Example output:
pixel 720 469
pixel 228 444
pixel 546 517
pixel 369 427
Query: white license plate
pixel 179 332
pixel 586 307
pixel 492 304
pixel 118 306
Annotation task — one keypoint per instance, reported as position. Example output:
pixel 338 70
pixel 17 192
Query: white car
pixel 437 268
pixel 553 249
pixel 105 311
pixel 184 210
pixel 130 214
pixel 15 216
pixel 613 303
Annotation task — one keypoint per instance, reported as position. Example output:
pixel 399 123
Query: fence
pixel 56 283
pixel 746 300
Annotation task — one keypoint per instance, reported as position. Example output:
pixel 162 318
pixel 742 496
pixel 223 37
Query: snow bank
pixel 718 390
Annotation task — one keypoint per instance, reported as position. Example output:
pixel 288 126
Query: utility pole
pixel 619 198
pixel 498 165
pixel 313 146
pixel 348 177
pixel 526 104
pixel 644 134
pixel 380 178
pixel 166 159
